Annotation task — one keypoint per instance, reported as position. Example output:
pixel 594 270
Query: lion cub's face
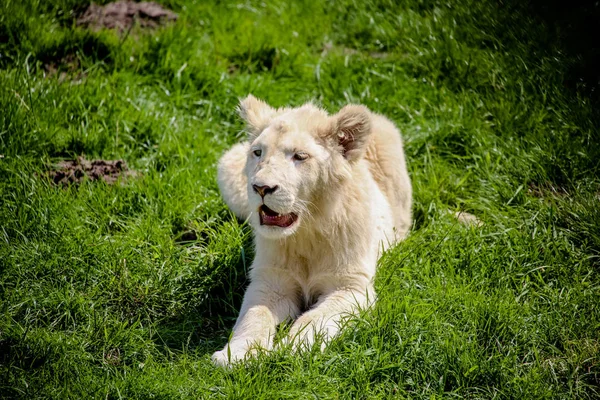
pixel 296 156
pixel 285 167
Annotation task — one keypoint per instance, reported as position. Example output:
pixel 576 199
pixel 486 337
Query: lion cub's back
pixel 387 164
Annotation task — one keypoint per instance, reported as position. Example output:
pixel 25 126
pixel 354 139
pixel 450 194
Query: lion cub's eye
pixel 257 152
pixel 300 156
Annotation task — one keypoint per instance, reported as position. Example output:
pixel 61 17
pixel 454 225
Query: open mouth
pixel 271 218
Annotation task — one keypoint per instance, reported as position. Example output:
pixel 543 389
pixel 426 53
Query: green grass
pixel 100 297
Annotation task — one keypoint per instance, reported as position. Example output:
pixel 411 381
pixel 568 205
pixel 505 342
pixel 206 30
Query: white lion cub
pixel 324 196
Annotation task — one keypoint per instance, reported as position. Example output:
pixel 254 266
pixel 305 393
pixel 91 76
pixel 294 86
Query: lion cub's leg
pixel 324 320
pixel 267 303
pixel 233 181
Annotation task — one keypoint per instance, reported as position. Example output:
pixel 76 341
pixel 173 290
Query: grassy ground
pixel 104 291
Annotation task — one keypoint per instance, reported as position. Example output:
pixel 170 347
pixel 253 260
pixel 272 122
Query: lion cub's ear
pixel 256 113
pixel 353 128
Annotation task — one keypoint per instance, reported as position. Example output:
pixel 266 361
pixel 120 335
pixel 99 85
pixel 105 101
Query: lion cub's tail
pixel 233 181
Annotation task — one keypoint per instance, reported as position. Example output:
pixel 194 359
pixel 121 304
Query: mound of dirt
pixel 75 171
pixel 122 15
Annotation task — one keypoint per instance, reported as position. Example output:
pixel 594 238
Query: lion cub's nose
pixel 264 190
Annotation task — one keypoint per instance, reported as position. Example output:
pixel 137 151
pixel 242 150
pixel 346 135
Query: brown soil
pixel 122 15
pixel 75 171
pixel 67 66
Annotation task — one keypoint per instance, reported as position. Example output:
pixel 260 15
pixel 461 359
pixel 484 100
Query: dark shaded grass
pixel 107 293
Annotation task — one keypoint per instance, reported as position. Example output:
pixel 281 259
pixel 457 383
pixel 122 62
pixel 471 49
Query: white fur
pixel 352 197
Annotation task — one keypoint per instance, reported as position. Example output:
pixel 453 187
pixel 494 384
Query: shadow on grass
pixel 575 29
pixel 69 53
pixel 571 29
pixel 203 324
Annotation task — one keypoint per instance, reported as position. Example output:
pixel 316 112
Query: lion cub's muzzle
pixel 272 218
pixel 268 216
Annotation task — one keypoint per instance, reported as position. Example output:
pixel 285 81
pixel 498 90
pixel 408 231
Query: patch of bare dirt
pixel 67 66
pixel 122 15
pixel 112 356
pixel 75 171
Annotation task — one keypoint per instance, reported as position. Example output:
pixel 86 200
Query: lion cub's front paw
pixel 225 358
pixel 302 336
pixel 308 330
pixel 231 354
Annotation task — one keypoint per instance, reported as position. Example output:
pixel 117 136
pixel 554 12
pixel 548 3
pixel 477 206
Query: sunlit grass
pixel 125 290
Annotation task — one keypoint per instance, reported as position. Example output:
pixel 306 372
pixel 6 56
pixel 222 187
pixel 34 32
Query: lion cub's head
pixel 297 159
